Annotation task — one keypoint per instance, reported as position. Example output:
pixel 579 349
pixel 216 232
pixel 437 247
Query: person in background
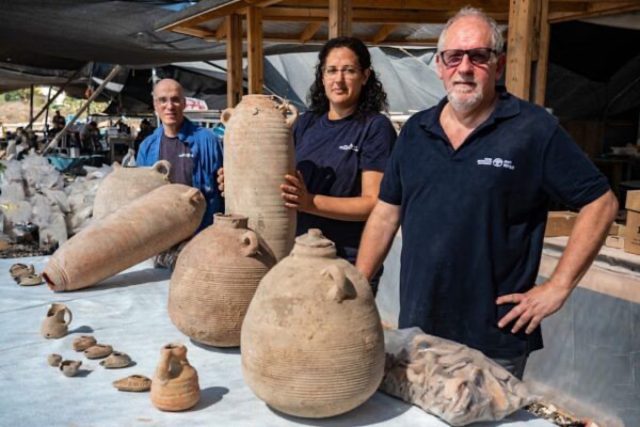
pixel 58 122
pixel 90 137
pixel 470 182
pixel 145 130
pixel 341 145
pixel 194 152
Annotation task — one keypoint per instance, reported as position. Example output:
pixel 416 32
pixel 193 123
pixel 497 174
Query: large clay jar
pixel 123 185
pixel 143 228
pixel 215 278
pixel 174 386
pixel 258 152
pixel 312 342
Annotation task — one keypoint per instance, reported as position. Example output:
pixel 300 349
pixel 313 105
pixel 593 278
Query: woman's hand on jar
pixel 295 193
pixel 220 180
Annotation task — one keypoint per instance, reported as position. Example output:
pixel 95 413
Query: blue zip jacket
pixel 206 149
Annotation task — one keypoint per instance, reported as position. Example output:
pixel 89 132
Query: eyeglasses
pixel 348 72
pixel 477 56
pixel 163 100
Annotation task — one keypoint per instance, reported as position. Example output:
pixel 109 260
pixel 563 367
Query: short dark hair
pixel 372 98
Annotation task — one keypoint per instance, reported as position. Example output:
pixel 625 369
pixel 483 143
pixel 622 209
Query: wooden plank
pixel 542 63
pixel 518 77
pixel 255 50
pixel 438 5
pixel 234 59
pixel 373 16
pixel 294 38
pixel 221 31
pixel 595 10
pixel 220 11
pixel 340 18
pixel 310 31
pixel 383 33
pixel 195 32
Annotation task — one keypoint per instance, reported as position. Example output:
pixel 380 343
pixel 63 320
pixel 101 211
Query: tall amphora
pixel 145 227
pixel 258 152
pixel 215 278
pixel 312 342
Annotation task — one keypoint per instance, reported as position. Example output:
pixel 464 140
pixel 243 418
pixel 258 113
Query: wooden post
pixel 542 64
pixel 254 49
pixel 233 24
pixel 340 16
pixel 519 50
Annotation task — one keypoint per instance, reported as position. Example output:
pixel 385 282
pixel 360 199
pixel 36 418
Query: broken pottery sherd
pixel 70 367
pixel 18 270
pixel 83 342
pixel 55 325
pixel 98 351
pixel 54 359
pixel 116 360
pixel 136 383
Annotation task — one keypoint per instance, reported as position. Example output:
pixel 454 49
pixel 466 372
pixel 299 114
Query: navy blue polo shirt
pixel 331 154
pixel 473 219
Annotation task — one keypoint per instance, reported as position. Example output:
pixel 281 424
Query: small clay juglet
pixel 55 325
pixel 54 359
pixel 70 367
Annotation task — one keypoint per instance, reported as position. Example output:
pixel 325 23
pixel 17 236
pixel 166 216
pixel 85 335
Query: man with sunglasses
pixel 194 152
pixel 470 181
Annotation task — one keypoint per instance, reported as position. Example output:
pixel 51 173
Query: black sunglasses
pixel 477 56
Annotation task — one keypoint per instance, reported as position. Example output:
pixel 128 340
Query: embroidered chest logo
pixel 496 163
pixel 349 147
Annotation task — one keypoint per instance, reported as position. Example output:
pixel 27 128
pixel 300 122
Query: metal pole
pixel 31 104
pixel 95 94
pixel 46 107
pixel 45 128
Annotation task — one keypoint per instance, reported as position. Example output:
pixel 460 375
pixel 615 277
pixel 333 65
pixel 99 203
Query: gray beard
pixel 465 106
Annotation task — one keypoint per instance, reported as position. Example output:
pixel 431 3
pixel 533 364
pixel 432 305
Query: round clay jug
pixel 258 153
pixel 139 230
pixel 175 384
pixel 215 278
pixel 55 324
pixel 312 342
pixel 123 185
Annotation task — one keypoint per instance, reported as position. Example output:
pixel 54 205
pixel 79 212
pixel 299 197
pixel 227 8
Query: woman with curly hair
pixel 342 144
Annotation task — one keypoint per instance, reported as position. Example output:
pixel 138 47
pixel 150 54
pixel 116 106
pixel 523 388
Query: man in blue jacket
pixel 195 153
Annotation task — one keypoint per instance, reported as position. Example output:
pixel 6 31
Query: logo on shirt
pixel 496 163
pixel 188 155
pixel 349 147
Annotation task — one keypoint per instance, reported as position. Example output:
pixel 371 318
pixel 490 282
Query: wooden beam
pixel 373 16
pixel 233 23
pixel 518 78
pixel 309 31
pixel 220 11
pixel 383 33
pixel 195 32
pixel 294 38
pixel 542 64
pixel 221 31
pixel 594 10
pixel 444 6
pixel 340 18
pixel 255 50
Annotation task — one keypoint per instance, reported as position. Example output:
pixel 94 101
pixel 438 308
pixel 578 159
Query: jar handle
pixel 193 196
pixel 163 167
pixel 67 311
pixel 250 243
pixel 226 114
pixel 290 120
pixel 341 288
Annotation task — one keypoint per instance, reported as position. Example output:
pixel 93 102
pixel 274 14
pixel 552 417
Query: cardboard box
pixel 614 242
pixel 632 229
pixel 559 223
